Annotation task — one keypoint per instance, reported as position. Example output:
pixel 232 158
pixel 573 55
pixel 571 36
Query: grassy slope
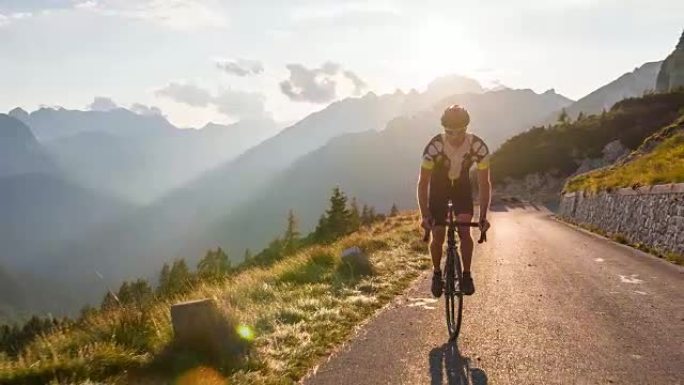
pixel 299 309
pixel 663 164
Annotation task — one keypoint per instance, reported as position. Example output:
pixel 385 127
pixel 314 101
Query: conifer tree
pixel 394 211
pixel 291 237
pixel 355 216
pixel 140 292
pixel 124 294
pixel 179 277
pixel 337 219
pixel 214 265
pixel 365 216
pixel 109 302
pixel 164 279
pixel 563 116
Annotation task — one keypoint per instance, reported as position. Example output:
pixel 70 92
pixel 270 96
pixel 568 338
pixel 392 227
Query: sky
pixel 197 61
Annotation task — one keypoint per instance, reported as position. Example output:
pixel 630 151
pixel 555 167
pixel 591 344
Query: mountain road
pixel 553 305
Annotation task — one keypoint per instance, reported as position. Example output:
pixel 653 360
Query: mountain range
pixel 177 192
pixel 630 84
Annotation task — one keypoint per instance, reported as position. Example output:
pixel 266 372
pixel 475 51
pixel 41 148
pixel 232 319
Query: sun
pixel 442 48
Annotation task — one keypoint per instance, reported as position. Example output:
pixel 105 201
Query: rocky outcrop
pixel 651 216
pixel 671 75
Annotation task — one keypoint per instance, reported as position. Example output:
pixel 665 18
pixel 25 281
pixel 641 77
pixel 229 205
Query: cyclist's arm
pixel 423 184
pixel 485 190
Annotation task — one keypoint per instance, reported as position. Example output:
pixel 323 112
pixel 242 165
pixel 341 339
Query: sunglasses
pixel 455 131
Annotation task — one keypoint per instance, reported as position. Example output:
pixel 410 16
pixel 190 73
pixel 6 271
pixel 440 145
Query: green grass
pixel 299 310
pixel 664 164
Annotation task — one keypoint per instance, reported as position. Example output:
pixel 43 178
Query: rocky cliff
pixel 671 75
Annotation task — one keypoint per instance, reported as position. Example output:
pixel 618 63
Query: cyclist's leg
pixel 438 235
pixel 438 205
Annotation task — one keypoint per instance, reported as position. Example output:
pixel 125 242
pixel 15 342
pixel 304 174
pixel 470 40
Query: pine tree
pixel 563 116
pixel 372 217
pixel 109 302
pixel 124 294
pixel 337 219
pixel 291 237
pixel 164 279
pixel 365 216
pixel 140 292
pixel 394 211
pixel 248 255
pixel 179 277
pixel 214 265
pixel 355 216
pixel 580 116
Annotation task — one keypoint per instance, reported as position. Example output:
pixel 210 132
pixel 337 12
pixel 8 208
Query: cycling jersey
pixel 450 178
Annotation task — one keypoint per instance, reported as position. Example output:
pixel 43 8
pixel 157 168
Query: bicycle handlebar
pixel 483 234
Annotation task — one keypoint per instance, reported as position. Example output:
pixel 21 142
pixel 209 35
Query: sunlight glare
pixel 442 48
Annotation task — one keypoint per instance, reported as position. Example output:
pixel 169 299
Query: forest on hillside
pixel 559 149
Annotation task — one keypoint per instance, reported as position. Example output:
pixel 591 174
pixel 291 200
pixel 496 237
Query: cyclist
pixel 444 175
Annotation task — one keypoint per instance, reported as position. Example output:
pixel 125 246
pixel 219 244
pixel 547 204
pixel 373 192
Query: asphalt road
pixel 553 305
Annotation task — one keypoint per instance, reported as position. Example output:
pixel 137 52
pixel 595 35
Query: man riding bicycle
pixel 444 176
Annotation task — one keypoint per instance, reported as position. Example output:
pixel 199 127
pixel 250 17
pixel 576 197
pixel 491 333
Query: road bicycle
pixel 453 274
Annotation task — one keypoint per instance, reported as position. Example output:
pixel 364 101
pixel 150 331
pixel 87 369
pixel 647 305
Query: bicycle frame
pixel 453 274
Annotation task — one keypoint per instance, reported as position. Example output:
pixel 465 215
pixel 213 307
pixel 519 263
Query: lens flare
pixel 245 332
pixel 201 376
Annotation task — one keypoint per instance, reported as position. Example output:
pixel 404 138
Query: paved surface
pixel 554 305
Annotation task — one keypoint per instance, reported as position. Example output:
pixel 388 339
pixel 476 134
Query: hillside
pixel 288 313
pixel 181 220
pixel 243 203
pixel 20 152
pixel 659 160
pixel 630 85
pixel 378 167
pixel 561 149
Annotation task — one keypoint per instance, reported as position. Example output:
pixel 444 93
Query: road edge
pixel 632 249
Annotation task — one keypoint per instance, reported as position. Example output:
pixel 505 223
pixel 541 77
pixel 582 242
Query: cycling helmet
pixel 455 117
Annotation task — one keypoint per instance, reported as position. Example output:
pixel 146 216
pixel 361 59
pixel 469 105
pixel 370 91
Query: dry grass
pixel 664 164
pixel 298 310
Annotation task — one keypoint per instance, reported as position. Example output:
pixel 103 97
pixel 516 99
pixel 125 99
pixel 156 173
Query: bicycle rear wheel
pixel 453 296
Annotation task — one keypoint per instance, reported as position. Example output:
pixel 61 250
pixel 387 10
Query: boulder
pixel 356 261
pixel 200 326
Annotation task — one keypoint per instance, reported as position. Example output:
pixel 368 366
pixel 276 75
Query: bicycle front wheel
pixel 453 296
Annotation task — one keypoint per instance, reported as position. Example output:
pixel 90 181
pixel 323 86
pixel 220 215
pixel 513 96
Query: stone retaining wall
pixel 653 216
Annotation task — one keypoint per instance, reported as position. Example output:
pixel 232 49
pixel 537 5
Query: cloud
pixel 339 10
pixel 240 67
pixel 317 85
pixel 358 83
pixel 101 103
pixel 176 14
pixel 229 102
pixel 7 19
pixel 186 93
pixel 142 109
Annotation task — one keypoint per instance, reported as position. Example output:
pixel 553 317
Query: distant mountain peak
pixel 454 84
pixel 20 114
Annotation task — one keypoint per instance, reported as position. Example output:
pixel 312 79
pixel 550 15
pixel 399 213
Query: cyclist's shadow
pixel 447 363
